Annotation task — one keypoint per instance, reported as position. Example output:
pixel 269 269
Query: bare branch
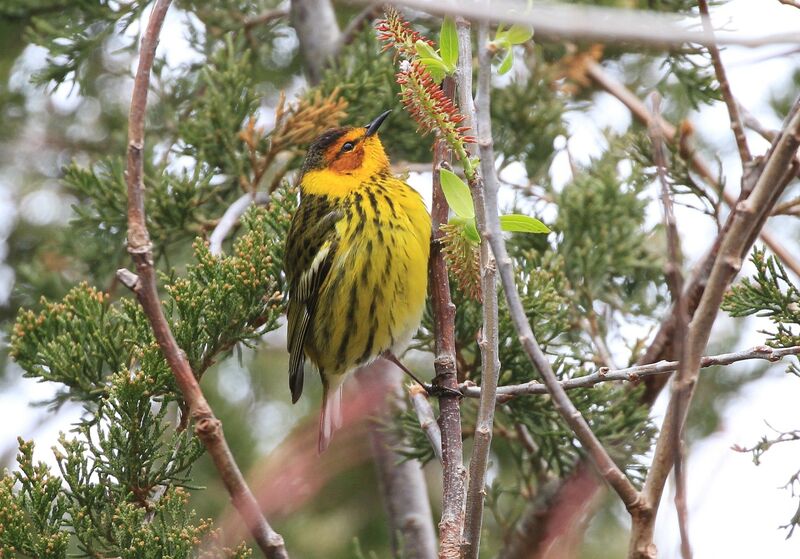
pixel 488 342
pixel 792 3
pixel 725 88
pixel 452 522
pixel 749 215
pixel 631 374
pixel 207 427
pixel 675 283
pixel 558 22
pixel 401 481
pixel 264 17
pixel 427 421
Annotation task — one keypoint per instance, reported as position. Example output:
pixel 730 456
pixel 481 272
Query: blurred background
pixel 53 116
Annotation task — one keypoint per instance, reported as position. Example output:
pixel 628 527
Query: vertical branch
pixel 675 283
pixel 725 88
pixel 452 522
pixel 207 427
pixel 401 481
pixel 488 342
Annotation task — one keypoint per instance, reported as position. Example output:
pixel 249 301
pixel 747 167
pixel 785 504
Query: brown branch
pixel 264 17
pixel 747 218
pixel 356 24
pixel 559 21
pixel 207 427
pixel 402 483
pixel 674 278
pixel 444 312
pixel 725 89
pixel 489 336
pixel 793 3
pixel 631 374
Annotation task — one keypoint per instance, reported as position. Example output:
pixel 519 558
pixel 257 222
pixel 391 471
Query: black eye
pixel 348 146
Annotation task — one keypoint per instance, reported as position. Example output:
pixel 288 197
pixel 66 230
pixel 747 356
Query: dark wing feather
pixel 309 255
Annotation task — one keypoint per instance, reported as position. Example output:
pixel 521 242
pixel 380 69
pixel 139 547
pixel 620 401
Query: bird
pixel 355 264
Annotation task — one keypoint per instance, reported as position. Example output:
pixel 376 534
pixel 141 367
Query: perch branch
pixel 207 427
pixel 631 374
pixel 427 421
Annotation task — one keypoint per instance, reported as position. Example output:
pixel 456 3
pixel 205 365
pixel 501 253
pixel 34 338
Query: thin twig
pixel 231 217
pixel 793 3
pixel 489 336
pixel 559 22
pixel 207 427
pixel 606 466
pixel 453 473
pixel 631 374
pixel 749 215
pixel 264 17
pixel 356 24
pixel 725 88
pixel 596 72
pixel 674 278
pixel 427 421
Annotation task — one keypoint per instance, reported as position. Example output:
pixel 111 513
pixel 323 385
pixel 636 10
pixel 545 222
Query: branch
pixel 675 283
pixel 560 22
pixel 401 481
pixel 427 421
pixel 778 170
pixel 231 217
pixel 608 469
pixel 631 374
pixel 207 427
pixel 264 17
pixel 318 33
pixel 596 72
pixel 725 89
pixel 483 198
pixel 444 312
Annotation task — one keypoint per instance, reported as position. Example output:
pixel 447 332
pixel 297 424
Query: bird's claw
pixel 438 391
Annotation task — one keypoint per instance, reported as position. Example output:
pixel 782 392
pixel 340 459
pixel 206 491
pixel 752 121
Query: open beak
pixel 373 126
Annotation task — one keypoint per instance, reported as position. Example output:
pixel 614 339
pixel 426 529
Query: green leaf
pixel 424 50
pixel 448 43
pixel 468 227
pixel 457 194
pixel 508 61
pixel 522 224
pixel 518 34
pixel 435 68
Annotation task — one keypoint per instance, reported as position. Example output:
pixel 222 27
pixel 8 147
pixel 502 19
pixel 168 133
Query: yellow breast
pixel 374 295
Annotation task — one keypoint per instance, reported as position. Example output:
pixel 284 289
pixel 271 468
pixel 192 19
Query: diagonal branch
pixel 779 168
pixel 606 466
pixel 725 89
pixel 207 427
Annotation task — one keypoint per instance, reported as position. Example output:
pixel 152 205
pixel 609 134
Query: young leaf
pixel 468 227
pixel 518 34
pixel 507 63
pixel 435 68
pixel 424 50
pixel 448 43
pixel 522 224
pixel 457 194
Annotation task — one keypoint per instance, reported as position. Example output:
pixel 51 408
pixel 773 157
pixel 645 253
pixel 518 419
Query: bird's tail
pixel 330 416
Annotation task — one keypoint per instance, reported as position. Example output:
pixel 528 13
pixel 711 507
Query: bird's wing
pixel 309 255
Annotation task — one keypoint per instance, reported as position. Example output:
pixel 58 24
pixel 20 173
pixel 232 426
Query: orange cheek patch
pixel 348 161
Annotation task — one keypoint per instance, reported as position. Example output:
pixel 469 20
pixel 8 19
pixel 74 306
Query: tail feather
pixel 330 416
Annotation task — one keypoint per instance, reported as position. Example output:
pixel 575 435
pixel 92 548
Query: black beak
pixel 373 126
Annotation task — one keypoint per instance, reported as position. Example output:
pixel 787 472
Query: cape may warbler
pixel 356 263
